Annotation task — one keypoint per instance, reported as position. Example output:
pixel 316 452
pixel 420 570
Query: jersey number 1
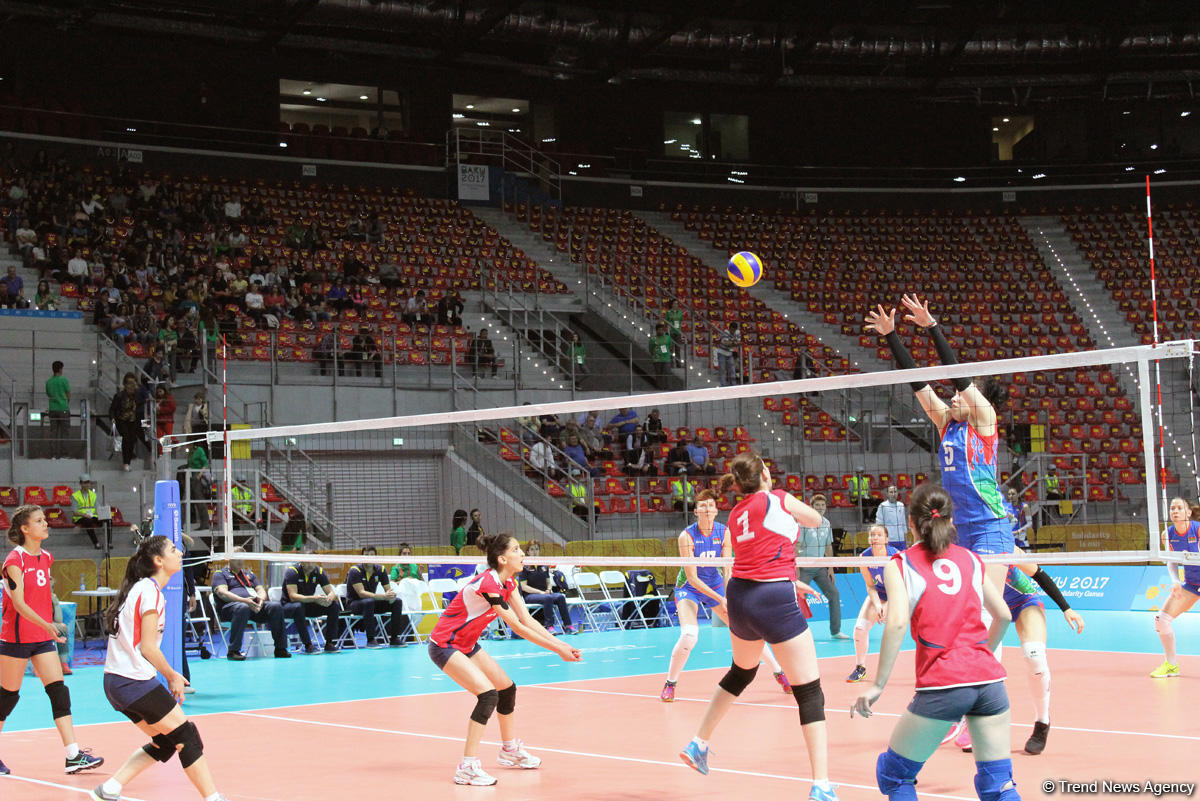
pixel 743 520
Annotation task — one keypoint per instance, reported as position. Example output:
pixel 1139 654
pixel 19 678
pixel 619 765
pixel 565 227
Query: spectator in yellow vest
pixel 83 509
pixel 683 494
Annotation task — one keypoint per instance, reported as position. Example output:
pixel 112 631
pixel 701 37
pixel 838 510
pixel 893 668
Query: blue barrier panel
pixel 167 524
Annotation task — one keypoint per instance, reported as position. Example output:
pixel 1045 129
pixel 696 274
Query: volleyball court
pixel 387 721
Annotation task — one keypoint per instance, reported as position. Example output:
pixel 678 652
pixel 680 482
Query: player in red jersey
pixel 943 586
pixel 763 607
pixel 28 631
pixel 454 648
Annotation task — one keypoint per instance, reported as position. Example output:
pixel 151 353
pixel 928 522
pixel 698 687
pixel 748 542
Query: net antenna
pixel 370 440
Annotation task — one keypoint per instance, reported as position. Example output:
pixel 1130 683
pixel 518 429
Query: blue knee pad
pixel 897 776
pixel 991 778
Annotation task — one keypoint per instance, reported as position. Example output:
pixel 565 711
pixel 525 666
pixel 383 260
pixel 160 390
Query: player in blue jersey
pixel 1019 516
pixel 875 606
pixel 1182 535
pixel 704 586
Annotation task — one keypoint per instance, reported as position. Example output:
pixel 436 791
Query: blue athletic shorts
pixel 26 650
pixel 441 656
pixel 138 699
pixel 951 704
pixel 764 610
pixel 986 537
pixel 686 592
pixel 1194 589
pixel 1019 601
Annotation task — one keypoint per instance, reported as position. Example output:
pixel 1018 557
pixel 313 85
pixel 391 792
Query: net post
pixel 1152 511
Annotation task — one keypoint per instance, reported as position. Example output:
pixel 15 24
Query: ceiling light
pixel 470 105
pixel 283 144
pixel 550 139
pixel 362 97
pixel 995 129
pixel 1185 114
pixel 1004 120
pixel 1126 113
pixel 959 179
pixel 1159 171
pixel 456 116
pixel 307 92
pixel 696 121
pixel 483 123
pixel 320 100
pixel 516 111
pixel 1154 147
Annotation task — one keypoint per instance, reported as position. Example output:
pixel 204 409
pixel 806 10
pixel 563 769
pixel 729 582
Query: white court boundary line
pixel 589 754
pixel 72 788
pixel 846 711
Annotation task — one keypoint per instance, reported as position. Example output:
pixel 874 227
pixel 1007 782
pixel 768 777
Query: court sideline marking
pixel 73 789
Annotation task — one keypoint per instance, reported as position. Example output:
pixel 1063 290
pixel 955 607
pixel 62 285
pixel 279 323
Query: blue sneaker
pixel 4 771
pixel 817 794
pixel 693 756
pixel 83 761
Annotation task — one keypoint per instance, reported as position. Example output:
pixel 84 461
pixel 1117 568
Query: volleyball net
pixel 1081 459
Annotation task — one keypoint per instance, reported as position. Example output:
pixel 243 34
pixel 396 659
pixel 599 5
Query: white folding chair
pixel 198 620
pixel 613 584
pixel 593 600
pixel 253 629
pixel 422 606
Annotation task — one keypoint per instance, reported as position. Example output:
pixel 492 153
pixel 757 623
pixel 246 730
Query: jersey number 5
pixel 949 574
pixel 948 452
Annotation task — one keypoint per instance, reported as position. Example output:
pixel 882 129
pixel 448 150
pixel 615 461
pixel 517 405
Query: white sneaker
pixel 518 758
pixel 472 773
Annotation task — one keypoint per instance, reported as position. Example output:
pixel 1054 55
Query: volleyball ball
pixel 745 269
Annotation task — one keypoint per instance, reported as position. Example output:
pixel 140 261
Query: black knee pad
pixel 506 699
pixel 811 701
pixel 737 679
pixel 186 740
pixel 485 706
pixel 8 700
pixel 160 748
pixel 60 699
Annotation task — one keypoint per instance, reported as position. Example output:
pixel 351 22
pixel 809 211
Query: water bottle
pixel 82 583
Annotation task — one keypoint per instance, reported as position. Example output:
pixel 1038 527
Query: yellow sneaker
pixel 1165 671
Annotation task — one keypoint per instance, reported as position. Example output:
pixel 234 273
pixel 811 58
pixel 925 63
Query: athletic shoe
pixel 817 794
pixel 83 761
pixel 1165 671
pixel 375 645
pixel 4 771
pixel 66 669
pixel 284 654
pixel 668 693
pixel 572 629
pixel 963 740
pixel 311 649
pixel 693 756
pixel 188 689
pixel 331 649
pixel 955 730
pixel 98 794
pixel 783 682
pixel 396 642
pixel 841 635
pixel 1036 743
pixel 518 758
pixel 472 773
pixel 236 656
pixel 859 672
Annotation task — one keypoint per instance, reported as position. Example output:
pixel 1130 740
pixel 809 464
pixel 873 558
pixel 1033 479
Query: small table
pixel 93 614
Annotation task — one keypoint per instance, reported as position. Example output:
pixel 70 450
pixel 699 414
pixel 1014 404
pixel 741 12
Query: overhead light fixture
pixel 320 100
pixel 1154 147
pixel 1185 114
pixel 1038 175
pixel 1004 120
pixel 307 92
pixel 283 144
pixel 132 130
pixel 483 123
pixel 470 106
pixel 516 111
pixel 456 116
pixel 960 179
pixel 995 129
pixel 1126 113
pixel 696 121
pixel 669 141
pixel 362 97
pixel 550 139
pixel 1159 171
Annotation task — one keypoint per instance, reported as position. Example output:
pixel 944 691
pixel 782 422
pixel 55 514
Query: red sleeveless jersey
pixel 470 612
pixel 764 538
pixel 945 594
pixel 35 578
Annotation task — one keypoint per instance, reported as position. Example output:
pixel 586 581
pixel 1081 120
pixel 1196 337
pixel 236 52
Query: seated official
pixel 403 571
pixel 368 603
pixel 307 593
pixel 240 598
pixel 534 583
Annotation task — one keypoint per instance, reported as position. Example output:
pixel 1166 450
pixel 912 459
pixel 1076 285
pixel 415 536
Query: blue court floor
pixel 223 686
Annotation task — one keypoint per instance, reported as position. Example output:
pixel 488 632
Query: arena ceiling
pixel 1010 52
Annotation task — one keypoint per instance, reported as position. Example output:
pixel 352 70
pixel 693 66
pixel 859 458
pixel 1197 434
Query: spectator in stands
pixel 683 494
pixel 252 301
pixel 195 417
pixel 117 325
pixel 678 461
pixel 578 355
pixel 576 453
pixel 577 488
pixel 237 241
pixel 168 338
pixel 142 325
pixel 729 355
pixel 233 208
pixel 58 405
pixel 45 299
pixel 534 581
pixel 549 427
pixel 307 592
pixel 294 235
pixel 814 543
pixel 892 515
pixel 591 435
pixel 389 274
pixel 83 509
pixel 164 413
pixel 475 530
pixel 636 439
pixel 528 426
pixel 450 308
pixel 639 461
pixel 78 272
pixel 858 487
pixel 416 310
pixel 699 460
pixel 337 297
pixel 126 411
pixel 622 424
pixel 660 353
pixel 481 354
pixel 362 584
pixel 673 317
pixel 542 460
pixel 157 369
pixel 1054 491
pixel 654 428
pixel 458 530
pixel 13 282
pixel 404 570
pixel 240 598
pixel 25 239
pixel 187 352
pixel 325 355
pixel 363 349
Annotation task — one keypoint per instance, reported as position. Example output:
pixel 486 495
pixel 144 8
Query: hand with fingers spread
pixel 881 320
pixel 918 312
pixel 862 704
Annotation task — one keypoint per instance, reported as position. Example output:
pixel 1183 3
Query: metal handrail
pixel 312 484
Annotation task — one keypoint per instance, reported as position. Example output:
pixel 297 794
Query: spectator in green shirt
pixel 660 352
pixel 458 530
pixel 58 391
pixel 674 320
pixel 578 359
pixel 400 572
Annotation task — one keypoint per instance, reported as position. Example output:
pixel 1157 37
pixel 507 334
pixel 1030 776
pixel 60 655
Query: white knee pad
pixel 1035 657
pixel 1162 623
pixel 688 635
pixel 864 624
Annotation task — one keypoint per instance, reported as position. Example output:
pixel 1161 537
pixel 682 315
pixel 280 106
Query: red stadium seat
pixel 61 496
pixel 36 495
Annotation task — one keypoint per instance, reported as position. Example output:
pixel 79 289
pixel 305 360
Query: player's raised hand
pixel 918 312
pixel 881 320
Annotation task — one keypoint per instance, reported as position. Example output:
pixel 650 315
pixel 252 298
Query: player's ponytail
pixel 494 546
pixel 140 565
pixel 930 515
pixel 20 518
pixel 745 471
